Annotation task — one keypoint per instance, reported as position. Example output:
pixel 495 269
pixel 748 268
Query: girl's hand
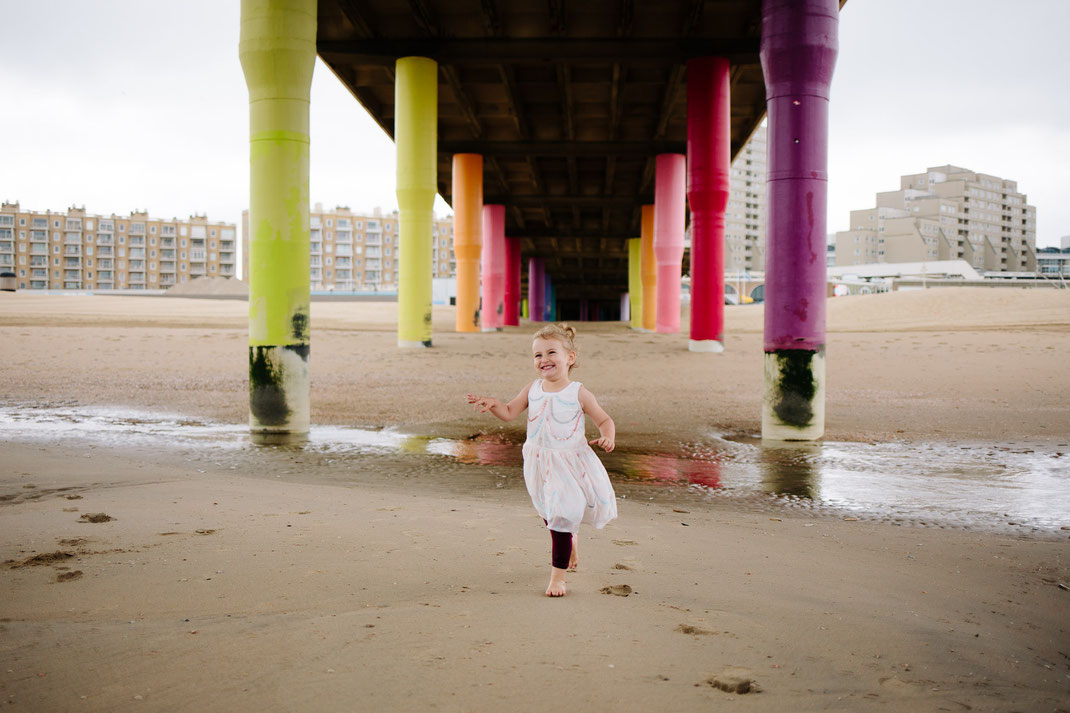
pixel 481 403
pixel 606 443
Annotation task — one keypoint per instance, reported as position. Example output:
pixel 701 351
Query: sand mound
pixel 209 287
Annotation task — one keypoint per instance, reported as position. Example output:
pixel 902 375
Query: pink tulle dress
pixel 566 481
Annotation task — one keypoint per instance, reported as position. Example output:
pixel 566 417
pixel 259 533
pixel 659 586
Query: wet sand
pixel 311 583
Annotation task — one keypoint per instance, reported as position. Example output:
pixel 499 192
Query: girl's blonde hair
pixel 562 333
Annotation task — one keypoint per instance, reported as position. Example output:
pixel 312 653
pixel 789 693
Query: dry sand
pixel 281 579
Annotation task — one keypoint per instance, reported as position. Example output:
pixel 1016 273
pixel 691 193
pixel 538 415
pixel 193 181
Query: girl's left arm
pixel 606 427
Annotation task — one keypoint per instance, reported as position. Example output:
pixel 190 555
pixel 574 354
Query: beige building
pixel 351 252
pixel 74 250
pixel 744 233
pixel 946 213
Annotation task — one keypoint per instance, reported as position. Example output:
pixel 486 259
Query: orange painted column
pixel 467 236
pixel 648 269
pixel 493 312
pixel 669 214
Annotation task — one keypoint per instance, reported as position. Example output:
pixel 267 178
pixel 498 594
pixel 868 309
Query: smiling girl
pixel 566 481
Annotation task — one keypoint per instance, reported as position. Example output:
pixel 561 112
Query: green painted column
pixel 277 48
pixel 416 139
pixel 635 281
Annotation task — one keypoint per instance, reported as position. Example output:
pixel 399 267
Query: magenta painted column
pixel 493 264
pixel 669 213
pixel 511 318
pixel 536 290
pixel 798 53
pixel 709 149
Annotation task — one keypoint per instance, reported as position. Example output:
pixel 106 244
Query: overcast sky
pixel 141 104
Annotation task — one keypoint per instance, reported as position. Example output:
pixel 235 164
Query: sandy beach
pixel 282 579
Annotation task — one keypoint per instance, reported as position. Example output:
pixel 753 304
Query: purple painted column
pixel 669 214
pixel 798 52
pixel 511 317
pixel 493 259
pixel 585 312
pixel 708 165
pixel 536 290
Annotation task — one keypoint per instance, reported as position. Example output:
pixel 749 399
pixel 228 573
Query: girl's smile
pixel 552 361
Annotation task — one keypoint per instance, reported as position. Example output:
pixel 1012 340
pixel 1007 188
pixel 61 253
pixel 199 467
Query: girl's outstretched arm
pixel 606 427
pixel 506 412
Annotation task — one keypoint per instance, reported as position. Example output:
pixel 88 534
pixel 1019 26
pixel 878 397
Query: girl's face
pixel 552 359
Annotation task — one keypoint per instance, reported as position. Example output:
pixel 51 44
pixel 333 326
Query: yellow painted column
pixel 416 139
pixel 467 236
pixel 649 270
pixel 277 48
pixel 635 281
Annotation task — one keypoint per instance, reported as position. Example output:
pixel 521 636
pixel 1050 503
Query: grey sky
pixel 141 104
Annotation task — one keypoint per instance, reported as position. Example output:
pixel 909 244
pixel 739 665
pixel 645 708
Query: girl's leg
pixel 560 554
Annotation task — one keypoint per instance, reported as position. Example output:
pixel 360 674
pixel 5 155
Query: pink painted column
pixel 536 290
pixel 669 207
pixel 511 318
pixel 708 167
pixel 493 260
pixel 798 52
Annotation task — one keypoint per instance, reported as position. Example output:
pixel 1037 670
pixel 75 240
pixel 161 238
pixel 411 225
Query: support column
pixel 277 48
pixel 708 169
pixel 512 282
pixel 648 270
pixel 550 306
pixel 467 236
pixel 536 290
pixel 635 282
pixel 493 313
pixel 669 215
pixel 416 139
pixel 798 53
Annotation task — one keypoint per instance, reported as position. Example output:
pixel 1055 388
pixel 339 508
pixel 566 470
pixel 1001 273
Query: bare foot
pixel 557 583
pixel 574 559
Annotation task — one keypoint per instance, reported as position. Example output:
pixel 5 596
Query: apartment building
pixel 352 252
pixel 744 231
pixel 74 250
pixel 946 213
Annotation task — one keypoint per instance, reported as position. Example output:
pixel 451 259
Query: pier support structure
pixel 798 54
pixel 277 48
pixel 648 270
pixel 416 139
pixel 669 215
pixel 635 283
pixel 467 236
pixel 708 168
pixel 536 290
pixel 493 312
pixel 511 317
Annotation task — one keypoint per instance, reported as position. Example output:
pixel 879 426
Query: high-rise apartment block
pixel 744 233
pixel 74 250
pixel 946 213
pixel 351 252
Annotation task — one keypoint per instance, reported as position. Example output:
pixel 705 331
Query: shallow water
pixel 989 487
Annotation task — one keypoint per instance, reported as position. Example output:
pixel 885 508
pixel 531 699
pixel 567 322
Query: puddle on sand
pixel 987 487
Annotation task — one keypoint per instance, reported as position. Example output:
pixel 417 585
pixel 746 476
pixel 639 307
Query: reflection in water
pixel 790 469
pixel 1002 486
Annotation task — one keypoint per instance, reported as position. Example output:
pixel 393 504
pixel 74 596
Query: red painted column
pixel 511 318
pixel 669 214
pixel 798 52
pixel 493 259
pixel 708 168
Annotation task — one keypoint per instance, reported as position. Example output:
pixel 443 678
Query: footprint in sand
pixel 695 630
pixel 69 576
pixel 96 517
pixel 620 590
pixel 624 543
pixel 625 567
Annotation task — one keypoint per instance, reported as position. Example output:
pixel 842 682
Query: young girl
pixel 567 483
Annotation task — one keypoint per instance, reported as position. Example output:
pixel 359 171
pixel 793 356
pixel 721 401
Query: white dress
pixel 566 481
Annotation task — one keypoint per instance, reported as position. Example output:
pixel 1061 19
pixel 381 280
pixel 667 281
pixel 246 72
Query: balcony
pixel 104 275
pixel 137 278
pixel 7 260
pixel 72 250
pixel 167 267
pixel 137 242
pixel 105 264
pixel 7 246
pixel 197 270
pixel 72 262
pixel 105 239
pixel 72 274
pixel 38 236
pixel 167 254
pixel 72 285
pixel 226 258
pixel 39 274
pixel 167 242
pixel 137 229
pixel 226 270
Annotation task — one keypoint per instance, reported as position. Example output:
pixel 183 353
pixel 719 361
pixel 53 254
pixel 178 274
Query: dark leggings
pixel 562 549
